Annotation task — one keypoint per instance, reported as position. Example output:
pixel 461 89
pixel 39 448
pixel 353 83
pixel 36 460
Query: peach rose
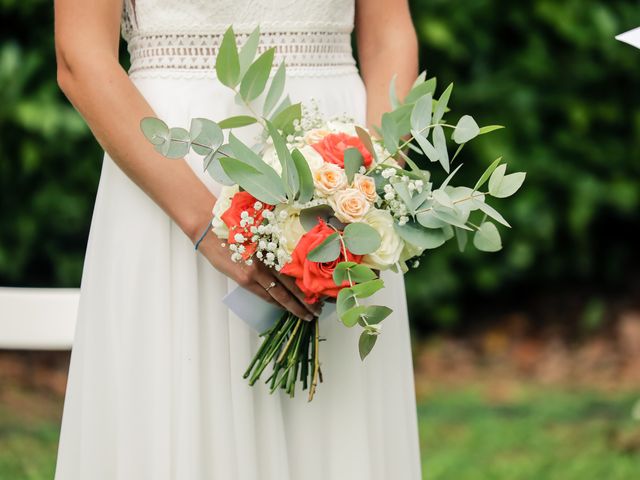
pixel 315 135
pixel 349 205
pixel 366 185
pixel 329 178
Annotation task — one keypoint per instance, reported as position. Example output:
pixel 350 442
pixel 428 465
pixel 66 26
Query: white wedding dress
pixel 155 388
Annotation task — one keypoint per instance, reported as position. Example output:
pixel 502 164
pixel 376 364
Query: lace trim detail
pixel 304 52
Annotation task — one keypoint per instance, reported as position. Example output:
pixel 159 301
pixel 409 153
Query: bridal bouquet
pixel 331 203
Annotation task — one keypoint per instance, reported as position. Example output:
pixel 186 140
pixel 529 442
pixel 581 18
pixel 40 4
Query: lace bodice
pixel 182 36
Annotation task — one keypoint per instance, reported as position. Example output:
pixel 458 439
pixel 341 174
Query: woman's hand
pixel 257 278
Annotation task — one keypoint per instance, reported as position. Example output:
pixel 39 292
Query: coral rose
pixel 332 148
pixel 313 278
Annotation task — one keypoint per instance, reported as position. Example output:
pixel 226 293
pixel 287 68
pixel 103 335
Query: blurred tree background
pixel 549 70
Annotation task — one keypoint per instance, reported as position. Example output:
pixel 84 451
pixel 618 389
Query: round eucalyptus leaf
pixel 205 135
pixel 366 343
pixel 309 216
pixel 155 130
pixel 361 239
pixel 487 238
pixel 466 129
pixel 327 251
pixel 179 143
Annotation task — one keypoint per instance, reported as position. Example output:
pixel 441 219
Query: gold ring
pixel 270 286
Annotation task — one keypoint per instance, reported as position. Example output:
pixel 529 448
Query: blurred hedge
pixel 549 70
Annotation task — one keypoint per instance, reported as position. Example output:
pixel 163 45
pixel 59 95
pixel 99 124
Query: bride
pixel 155 387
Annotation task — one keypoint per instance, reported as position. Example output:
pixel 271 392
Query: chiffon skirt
pixel 155 386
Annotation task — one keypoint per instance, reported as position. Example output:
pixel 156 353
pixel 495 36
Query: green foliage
pixel 568 94
pixel 534 434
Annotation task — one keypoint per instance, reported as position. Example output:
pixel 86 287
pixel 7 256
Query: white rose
pixel 350 205
pixel 290 227
pixel 329 178
pixel 391 245
pixel 313 158
pixel 270 157
pixel 222 205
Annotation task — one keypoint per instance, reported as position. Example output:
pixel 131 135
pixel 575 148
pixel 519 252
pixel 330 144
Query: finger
pixel 290 284
pixel 264 277
pixel 257 289
pixel 288 301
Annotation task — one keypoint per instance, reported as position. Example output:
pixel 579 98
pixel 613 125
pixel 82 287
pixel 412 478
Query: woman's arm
pixel 387 46
pixel 87 34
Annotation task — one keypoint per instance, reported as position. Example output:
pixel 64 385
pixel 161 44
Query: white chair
pixel 37 318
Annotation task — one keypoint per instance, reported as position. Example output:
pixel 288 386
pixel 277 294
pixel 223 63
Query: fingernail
pixel 308 318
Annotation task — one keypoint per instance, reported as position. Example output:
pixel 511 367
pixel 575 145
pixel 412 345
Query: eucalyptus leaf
pixel 215 170
pixel 420 90
pixel 496 178
pixel 361 239
pixel 426 146
pixel 466 129
pixel 305 193
pixel 352 162
pixel 283 104
pixel 248 156
pixel 289 172
pixel 284 119
pixel 327 251
pixel 452 217
pixel 441 197
pixel 237 121
pixel 375 314
pixel 248 50
pixel 441 106
pixel 351 270
pixel 178 144
pixel 493 213
pixel 390 133
pixel 402 118
pixel 205 136
pixel 419 79
pixel 487 238
pixel 421 114
pixel 345 301
pixel 366 344
pixel 489 129
pixel 451 175
pixel 501 185
pixel 275 89
pixel 309 216
pixel 228 61
pixel 487 173
pixel 365 138
pixel 254 81
pixel 461 237
pixel 422 238
pixel 254 182
pixel 440 144
pixel 366 289
pixel 155 130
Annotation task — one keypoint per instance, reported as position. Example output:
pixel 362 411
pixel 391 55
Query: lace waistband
pixel 304 52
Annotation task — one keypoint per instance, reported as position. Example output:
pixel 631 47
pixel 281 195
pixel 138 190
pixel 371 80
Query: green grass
pixel 466 434
pixel 534 435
